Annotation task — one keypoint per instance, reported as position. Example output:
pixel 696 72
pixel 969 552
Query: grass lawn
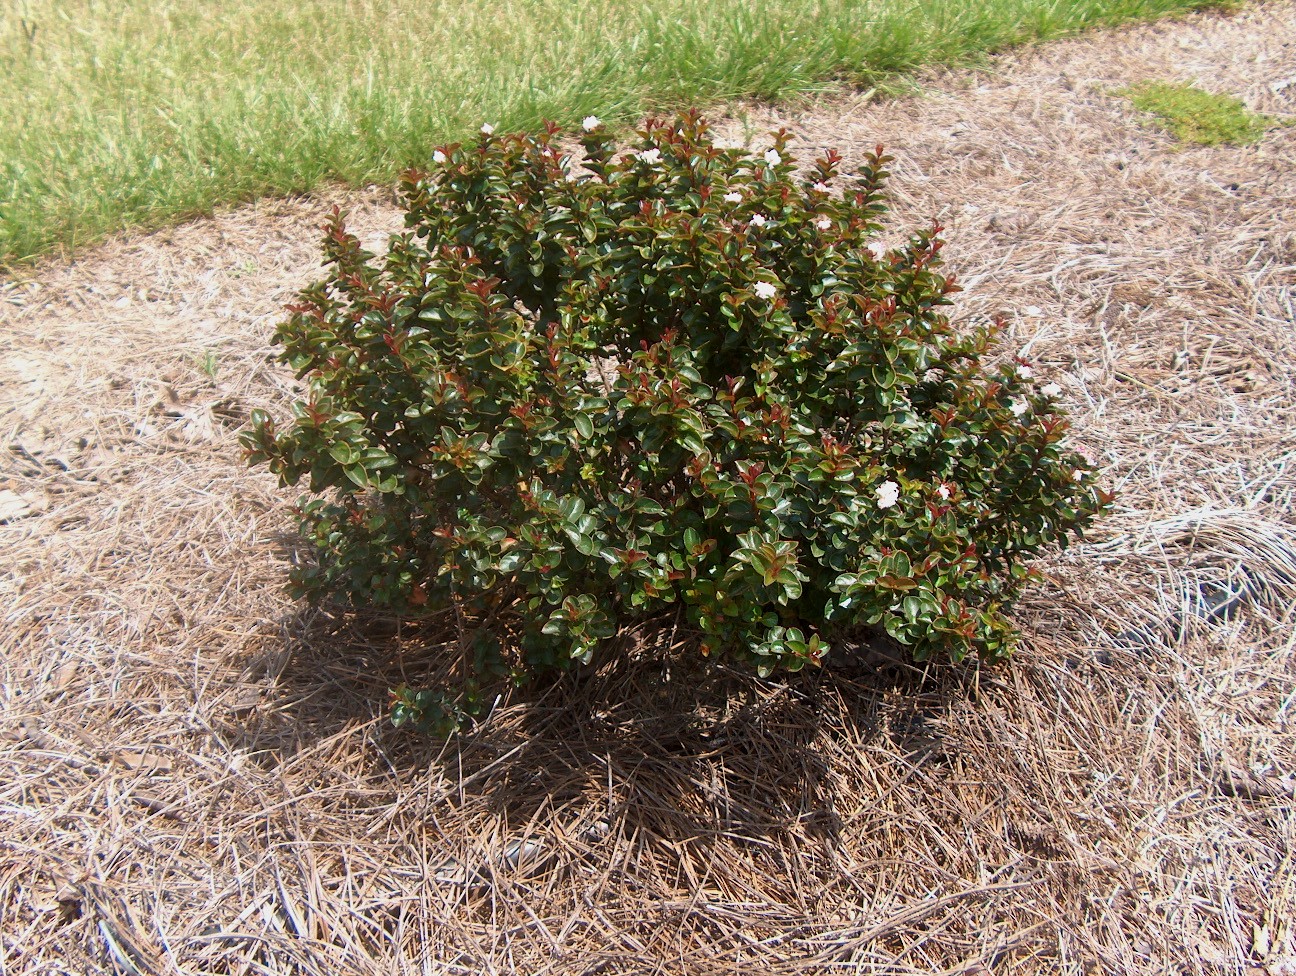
pixel 120 114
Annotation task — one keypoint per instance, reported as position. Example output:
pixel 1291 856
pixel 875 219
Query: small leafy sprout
pixel 686 380
pixel 208 363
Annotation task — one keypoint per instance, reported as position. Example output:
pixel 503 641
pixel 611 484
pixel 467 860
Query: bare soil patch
pixel 196 775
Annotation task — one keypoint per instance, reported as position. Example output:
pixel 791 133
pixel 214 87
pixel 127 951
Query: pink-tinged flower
pixel 487 129
pixel 765 290
pixel 823 223
pixel 650 156
pixel 1018 407
pixel 438 157
pixel 757 220
pixel 733 197
pixel 590 123
pixel 1051 390
pixel 943 491
pixel 888 493
pixel 820 188
pixel 772 157
pixel 878 251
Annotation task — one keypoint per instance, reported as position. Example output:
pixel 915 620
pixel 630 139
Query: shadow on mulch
pixel 680 748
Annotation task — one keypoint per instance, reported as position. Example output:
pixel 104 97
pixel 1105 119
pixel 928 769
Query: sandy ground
pixel 196 775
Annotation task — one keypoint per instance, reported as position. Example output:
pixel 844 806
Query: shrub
pixel 579 391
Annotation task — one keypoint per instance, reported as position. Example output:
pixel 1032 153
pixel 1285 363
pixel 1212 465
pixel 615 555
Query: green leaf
pixel 357 474
pixel 344 454
pixel 572 507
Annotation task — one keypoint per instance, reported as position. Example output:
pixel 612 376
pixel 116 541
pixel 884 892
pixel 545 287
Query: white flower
pixel 820 188
pixel 888 493
pixel 823 223
pixel 765 290
pixel 487 129
pixel 772 157
pixel 1025 372
pixel 1051 389
pixel 877 250
pixel 1077 475
pixel 438 157
pixel 590 123
pixel 1018 407
pixel 650 156
pixel 943 491
pixel 733 197
pixel 758 220
pixel 1033 311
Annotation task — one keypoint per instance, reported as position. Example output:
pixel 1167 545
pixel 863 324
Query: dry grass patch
pixel 197 775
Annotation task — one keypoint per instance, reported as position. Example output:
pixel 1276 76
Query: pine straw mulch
pixel 196 775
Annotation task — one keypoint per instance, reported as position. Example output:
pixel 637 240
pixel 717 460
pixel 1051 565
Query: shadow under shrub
pixel 576 392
